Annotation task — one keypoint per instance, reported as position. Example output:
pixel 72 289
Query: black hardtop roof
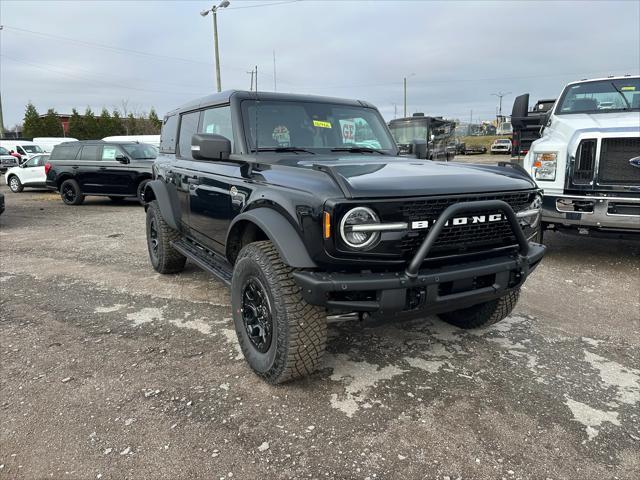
pixel 225 97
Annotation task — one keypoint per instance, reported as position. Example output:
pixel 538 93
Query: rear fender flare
pixel 282 234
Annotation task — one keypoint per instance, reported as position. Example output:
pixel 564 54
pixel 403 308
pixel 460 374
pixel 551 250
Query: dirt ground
pixel 109 370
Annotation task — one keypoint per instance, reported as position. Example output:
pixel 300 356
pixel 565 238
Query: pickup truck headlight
pixel 529 218
pixel 357 229
pixel 544 166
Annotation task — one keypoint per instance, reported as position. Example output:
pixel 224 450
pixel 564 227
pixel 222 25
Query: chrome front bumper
pixel 600 212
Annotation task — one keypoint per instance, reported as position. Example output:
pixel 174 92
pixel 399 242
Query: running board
pixel 205 259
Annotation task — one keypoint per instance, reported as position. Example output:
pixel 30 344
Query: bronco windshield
pixel 314 126
pixel 601 96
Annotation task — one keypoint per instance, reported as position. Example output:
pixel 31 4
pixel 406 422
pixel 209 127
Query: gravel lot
pixel 109 370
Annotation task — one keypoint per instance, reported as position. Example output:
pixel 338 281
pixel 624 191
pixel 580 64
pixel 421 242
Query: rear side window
pixel 168 135
pixel 89 152
pixel 188 126
pixel 65 152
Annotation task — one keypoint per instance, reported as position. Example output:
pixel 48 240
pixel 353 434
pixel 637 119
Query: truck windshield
pixel 408 132
pixel 32 148
pixel 291 126
pixel 601 96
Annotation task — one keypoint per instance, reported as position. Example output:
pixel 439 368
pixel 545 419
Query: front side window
pixel 109 153
pixel 31 163
pixel 601 96
pixel 188 126
pixel 218 120
pixel 271 124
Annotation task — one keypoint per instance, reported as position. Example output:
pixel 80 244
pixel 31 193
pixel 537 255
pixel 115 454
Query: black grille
pixel 460 239
pixel 585 162
pixel 615 168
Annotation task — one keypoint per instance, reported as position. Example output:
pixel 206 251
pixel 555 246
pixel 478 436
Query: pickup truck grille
pixel 460 239
pixel 615 168
pixel 9 162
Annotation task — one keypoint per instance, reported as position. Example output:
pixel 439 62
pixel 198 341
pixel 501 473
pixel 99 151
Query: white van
pixel 150 139
pixel 47 143
pixel 24 148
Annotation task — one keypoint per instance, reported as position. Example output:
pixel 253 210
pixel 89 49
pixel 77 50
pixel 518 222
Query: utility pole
pixel 214 11
pixel 275 86
pixel 405 97
pixel 500 95
pixel 1 118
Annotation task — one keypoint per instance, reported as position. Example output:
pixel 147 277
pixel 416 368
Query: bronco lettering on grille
pixel 494 217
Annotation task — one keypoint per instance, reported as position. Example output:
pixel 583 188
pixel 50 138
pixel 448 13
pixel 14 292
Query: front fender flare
pixel 167 201
pixel 282 234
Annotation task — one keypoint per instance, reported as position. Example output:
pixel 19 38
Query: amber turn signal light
pixel 326 225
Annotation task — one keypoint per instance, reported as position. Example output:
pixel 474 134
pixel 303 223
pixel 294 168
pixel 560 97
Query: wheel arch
pixel 267 224
pixel 167 201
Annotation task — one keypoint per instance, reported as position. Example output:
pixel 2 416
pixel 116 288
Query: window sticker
pixel 348 128
pixel 630 88
pixel 281 136
pixel 321 124
pixel 109 153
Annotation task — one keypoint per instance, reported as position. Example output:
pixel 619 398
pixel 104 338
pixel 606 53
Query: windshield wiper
pixel 359 150
pixel 622 95
pixel 283 149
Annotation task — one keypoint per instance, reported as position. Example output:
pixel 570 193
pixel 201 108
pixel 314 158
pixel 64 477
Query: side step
pixel 205 259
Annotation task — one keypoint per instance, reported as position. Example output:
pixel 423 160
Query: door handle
pixel 75 167
pixel 103 168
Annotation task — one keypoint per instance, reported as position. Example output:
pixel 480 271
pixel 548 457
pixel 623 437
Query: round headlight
pixel 354 237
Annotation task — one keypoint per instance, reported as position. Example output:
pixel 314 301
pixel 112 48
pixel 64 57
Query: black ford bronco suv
pixel 93 167
pixel 301 205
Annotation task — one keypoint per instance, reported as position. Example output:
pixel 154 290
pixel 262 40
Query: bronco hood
pixel 377 177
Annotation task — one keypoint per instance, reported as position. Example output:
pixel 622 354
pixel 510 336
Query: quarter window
pixel 188 126
pixel 168 135
pixel 66 152
pixel 218 121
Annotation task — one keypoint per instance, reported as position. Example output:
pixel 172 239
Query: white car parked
pixel 29 174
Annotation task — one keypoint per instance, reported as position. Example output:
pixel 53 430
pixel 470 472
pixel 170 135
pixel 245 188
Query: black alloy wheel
pixel 257 314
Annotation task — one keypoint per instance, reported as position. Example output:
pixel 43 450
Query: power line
pixel 52 69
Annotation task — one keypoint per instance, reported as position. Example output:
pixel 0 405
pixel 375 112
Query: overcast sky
pixel 455 54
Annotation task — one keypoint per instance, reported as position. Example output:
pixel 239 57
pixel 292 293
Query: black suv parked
pixel 303 207
pixel 117 170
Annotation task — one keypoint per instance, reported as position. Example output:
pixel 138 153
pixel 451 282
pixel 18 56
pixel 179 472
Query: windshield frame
pixel 247 121
pixel 612 81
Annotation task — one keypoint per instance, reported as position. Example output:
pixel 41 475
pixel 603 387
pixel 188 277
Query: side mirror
pixel 419 148
pixel 519 110
pixel 121 158
pixel 210 146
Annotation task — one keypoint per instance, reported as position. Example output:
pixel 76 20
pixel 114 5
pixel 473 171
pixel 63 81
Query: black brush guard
pixel 393 292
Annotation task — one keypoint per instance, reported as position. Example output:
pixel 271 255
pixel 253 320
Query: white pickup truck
pixel 588 158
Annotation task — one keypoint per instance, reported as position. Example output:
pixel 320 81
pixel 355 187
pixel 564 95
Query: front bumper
pixel 440 289
pixel 431 291
pixel 621 214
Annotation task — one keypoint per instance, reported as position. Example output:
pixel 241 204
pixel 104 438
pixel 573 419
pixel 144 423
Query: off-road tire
pixel 117 199
pixel 483 314
pixel 165 259
pixel 15 185
pixel 140 191
pixel 77 197
pixel 299 332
